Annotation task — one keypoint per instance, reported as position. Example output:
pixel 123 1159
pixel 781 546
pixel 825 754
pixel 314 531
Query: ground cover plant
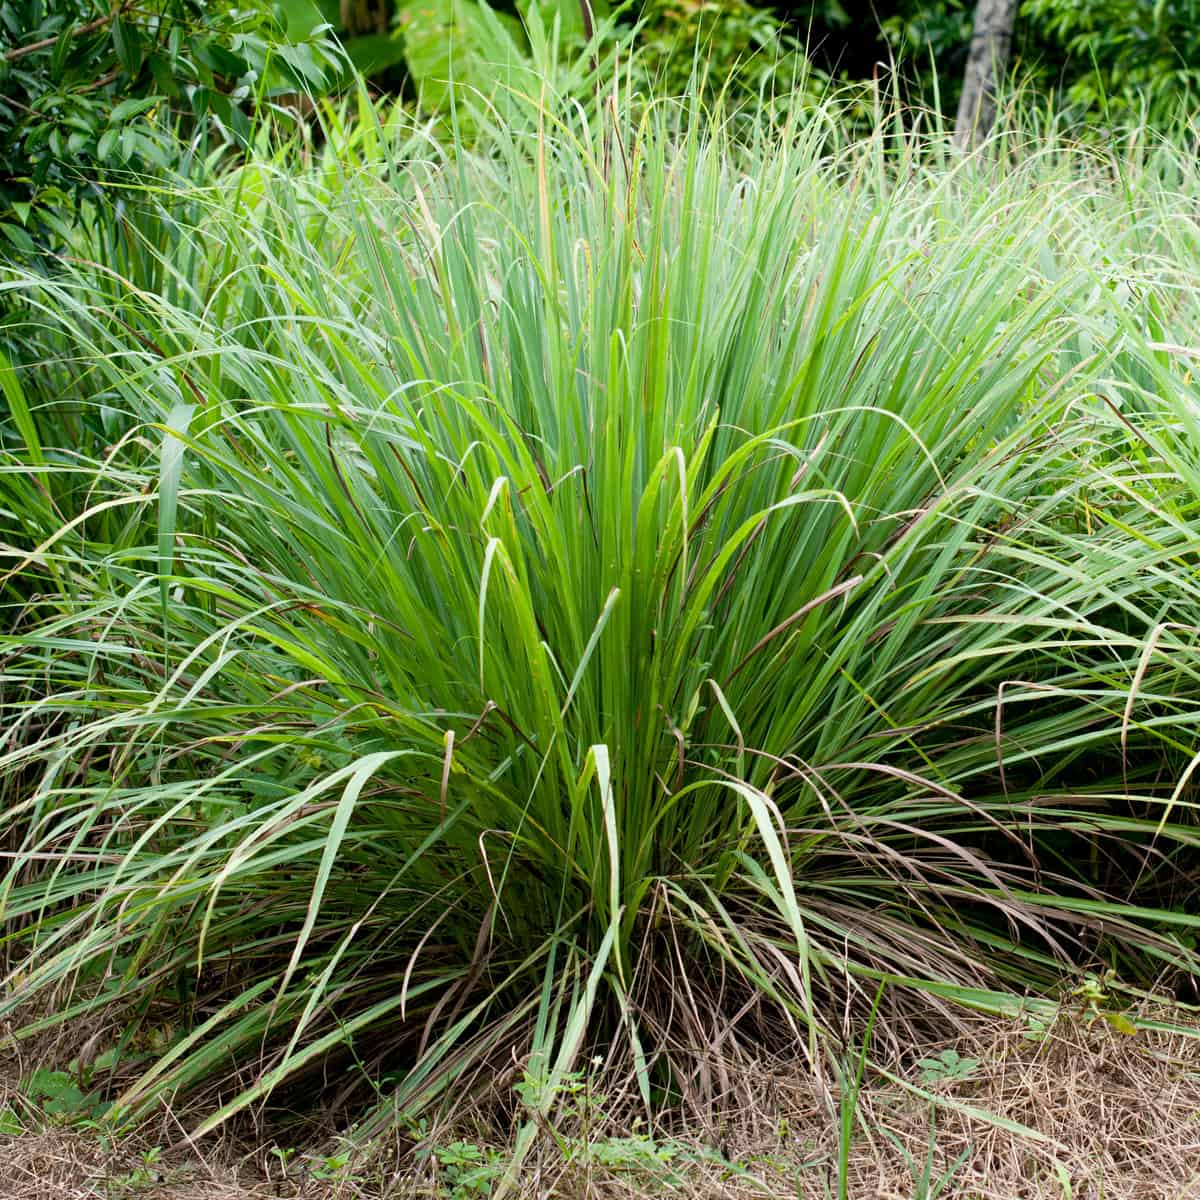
pixel 627 589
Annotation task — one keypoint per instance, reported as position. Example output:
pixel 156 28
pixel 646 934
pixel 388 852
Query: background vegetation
pixel 91 91
pixel 94 93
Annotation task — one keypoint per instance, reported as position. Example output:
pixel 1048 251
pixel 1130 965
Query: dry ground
pixel 1118 1117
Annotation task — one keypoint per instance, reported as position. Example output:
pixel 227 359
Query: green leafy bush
pixel 468 49
pixel 491 64
pixel 93 92
pixel 1128 57
pixel 1139 55
pixel 608 587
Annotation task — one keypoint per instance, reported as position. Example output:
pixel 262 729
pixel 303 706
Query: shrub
pixel 93 92
pixel 1101 58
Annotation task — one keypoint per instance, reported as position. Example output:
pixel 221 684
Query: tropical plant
pixel 1100 57
pixel 1137 55
pixel 94 92
pixel 463 55
pixel 627 586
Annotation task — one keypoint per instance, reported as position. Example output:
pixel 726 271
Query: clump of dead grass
pixel 63 1162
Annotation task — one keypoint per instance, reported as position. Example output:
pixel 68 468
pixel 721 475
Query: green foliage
pixel 477 67
pixel 56 1091
pixel 467 50
pixel 925 33
pixel 471 50
pixel 145 1175
pixel 948 1067
pixel 581 1134
pixel 725 46
pixel 520 581
pixel 1139 55
pixel 59 1097
pixel 93 93
pixel 466 1170
pixel 433 51
pixel 1096 1001
pixel 450 43
pixel 1128 57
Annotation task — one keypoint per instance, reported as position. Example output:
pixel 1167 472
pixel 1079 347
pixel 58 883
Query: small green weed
pixel 948 1067
pixel 58 1096
pixel 1037 1026
pixel 332 1168
pixel 145 1175
pixel 466 1170
pixel 1096 1002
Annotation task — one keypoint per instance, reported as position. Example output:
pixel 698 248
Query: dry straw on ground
pixel 1119 1116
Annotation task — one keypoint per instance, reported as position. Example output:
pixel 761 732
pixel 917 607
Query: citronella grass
pixel 624 585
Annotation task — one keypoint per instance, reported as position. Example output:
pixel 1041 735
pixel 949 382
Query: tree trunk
pixel 986 64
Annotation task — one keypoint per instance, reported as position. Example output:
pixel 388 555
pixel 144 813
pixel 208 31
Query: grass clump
pixel 631 587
